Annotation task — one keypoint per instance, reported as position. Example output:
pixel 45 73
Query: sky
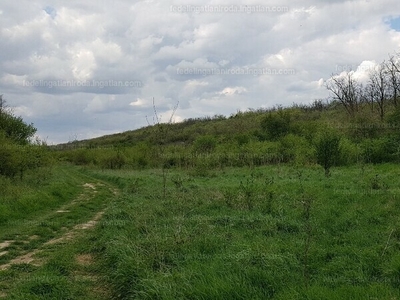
pixel 82 69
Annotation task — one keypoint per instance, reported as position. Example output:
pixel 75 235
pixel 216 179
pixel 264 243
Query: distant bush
pixel 80 157
pixel 114 160
pixel 276 125
pixel 296 149
pixel 205 144
pixel 9 158
pixel 242 139
pixel 350 152
pixel 380 150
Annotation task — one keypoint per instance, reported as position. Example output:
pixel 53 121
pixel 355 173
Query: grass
pixel 254 234
pixel 275 232
pixel 60 262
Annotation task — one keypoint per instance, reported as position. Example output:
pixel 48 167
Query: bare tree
pixel 392 67
pixel 161 139
pixel 347 90
pixel 367 97
pixel 378 87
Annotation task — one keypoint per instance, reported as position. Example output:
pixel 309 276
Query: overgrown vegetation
pixel 292 135
pixel 274 232
pixel 218 207
pixel 360 122
pixel 17 150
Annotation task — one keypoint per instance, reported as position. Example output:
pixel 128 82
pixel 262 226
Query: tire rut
pixel 29 257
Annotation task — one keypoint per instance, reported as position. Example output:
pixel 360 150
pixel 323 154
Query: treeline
pixel 18 151
pixel 378 94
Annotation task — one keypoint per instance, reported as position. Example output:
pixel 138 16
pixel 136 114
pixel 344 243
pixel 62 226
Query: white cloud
pixel 229 91
pixel 145 41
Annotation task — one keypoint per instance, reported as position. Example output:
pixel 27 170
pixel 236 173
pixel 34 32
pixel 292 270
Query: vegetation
pixel 298 202
pixel 272 232
pixel 17 151
pixel 356 123
pixel 328 151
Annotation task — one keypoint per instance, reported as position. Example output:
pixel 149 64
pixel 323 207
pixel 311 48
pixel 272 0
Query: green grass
pixel 59 205
pixel 275 232
pixel 245 234
pixel 61 277
pixel 39 192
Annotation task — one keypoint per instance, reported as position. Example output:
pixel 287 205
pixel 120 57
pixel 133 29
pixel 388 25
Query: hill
pixel 253 137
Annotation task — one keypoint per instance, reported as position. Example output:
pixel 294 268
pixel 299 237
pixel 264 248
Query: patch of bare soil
pixel 5 244
pixel 90 185
pixel 23 259
pixel 84 259
pixel 28 258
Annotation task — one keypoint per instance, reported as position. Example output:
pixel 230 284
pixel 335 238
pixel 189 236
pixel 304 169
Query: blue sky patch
pixel 50 11
pixel 394 23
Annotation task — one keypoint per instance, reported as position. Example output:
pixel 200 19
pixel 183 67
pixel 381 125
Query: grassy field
pixel 274 232
pixel 271 232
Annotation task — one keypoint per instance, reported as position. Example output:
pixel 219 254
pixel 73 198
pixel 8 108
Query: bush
pixel 350 152
pixel 296 149
pixel 380 150
pixel 328 150
pixel 80 157
pixel 114 161
pixel 9 160
pixel 276 125
pixel 205 144
pixel 242 139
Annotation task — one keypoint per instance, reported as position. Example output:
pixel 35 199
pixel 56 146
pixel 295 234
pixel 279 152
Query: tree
pixel 8 157
pixel 17 153
pixel 346 90
pixel 393 70
pixel 13 127
pixel 378 87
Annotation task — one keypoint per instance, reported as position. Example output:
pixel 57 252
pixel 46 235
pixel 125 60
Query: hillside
pixel 254 137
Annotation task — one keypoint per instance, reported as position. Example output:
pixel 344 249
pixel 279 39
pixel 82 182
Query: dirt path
pixel 89 190
pixel 91 199
pixel 29 258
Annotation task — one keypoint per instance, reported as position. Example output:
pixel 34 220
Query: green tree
pixel 8 157
pixel 17 153
pixel 14 127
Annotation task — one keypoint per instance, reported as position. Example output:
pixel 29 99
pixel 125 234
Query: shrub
pixel 380 150
pixel 296 149
pixel 114 161
pixel 327 150
pixel 81 157
pixel 205 144
pixel 349 152
pixel 242 139
pixel 9 160
pixel 275 125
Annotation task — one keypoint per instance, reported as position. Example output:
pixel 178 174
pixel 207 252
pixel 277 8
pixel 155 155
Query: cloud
pixel 89 68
